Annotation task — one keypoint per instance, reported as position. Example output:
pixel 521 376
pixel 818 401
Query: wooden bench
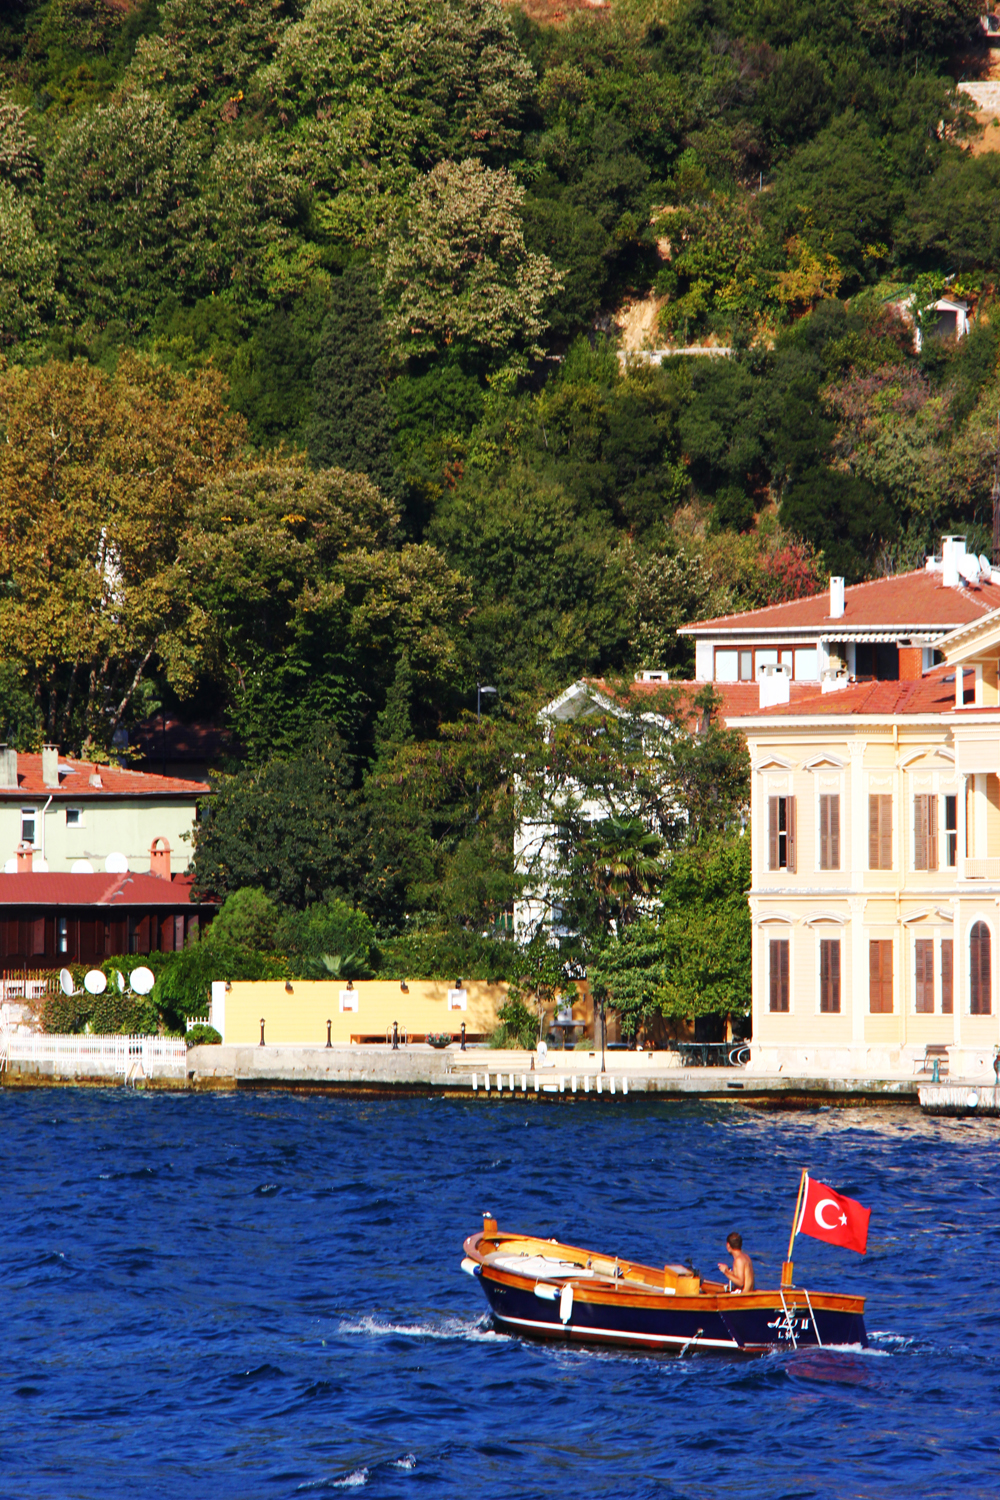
pixel 934 1061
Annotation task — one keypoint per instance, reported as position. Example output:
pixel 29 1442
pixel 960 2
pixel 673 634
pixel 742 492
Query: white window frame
pixel 32 813
pixel 78 820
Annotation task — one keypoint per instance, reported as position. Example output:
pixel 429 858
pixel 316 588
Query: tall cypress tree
pixel 351 425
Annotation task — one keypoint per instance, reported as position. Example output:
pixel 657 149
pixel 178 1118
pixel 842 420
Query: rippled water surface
pixel 222 1296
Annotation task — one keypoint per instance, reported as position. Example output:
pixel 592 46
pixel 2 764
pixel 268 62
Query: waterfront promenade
pixel 478 1074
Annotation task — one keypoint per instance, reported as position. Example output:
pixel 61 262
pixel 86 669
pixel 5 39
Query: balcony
pixel 982 869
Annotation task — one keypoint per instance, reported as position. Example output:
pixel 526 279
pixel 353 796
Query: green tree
pixel 291 828
pixel 457 273
pixel 351 425
pixel 97 475
pixel 692 959
pixel 27 271
pixel 376 91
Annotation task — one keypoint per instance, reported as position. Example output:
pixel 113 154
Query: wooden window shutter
pixel 885 833
pixel 772 834
pixel 873 833
pixel 947 976
pixel 920 832
pixel 779 974
pixel 932 833
pixel 829 832
pixel 790 826
pixel 880 976
pixel 980 998
pixel 829 975
pixel 835 847
pixel 924 955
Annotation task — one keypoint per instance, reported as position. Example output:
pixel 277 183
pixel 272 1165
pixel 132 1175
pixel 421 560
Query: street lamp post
pixel 483 690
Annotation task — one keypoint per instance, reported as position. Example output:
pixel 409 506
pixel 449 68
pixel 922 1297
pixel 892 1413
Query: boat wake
pixel 476 1331
pixel 358 1478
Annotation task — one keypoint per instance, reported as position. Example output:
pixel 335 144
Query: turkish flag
pixel 830 1216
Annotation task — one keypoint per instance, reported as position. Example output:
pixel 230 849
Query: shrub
pixel 203 1036
pixel 518 1026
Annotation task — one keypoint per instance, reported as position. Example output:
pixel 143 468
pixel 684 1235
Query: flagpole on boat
pixel 788 1264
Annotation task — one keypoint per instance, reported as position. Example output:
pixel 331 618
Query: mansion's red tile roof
pixel 915 601
pixel 933 693
pixel 49 888
pixel 738 699
pixel 77 777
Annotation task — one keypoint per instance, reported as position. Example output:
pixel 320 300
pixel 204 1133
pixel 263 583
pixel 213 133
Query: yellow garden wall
pixel 298 1019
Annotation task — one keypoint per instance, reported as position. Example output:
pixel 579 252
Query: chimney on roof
pixel 836 598
pixel 952 552
pixel 25 854
pixel 159 858
pixel 50 765
pixel 8 766
pixel 95 777
pixel 775 685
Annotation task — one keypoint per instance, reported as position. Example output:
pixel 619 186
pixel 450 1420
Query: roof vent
pixel 836 598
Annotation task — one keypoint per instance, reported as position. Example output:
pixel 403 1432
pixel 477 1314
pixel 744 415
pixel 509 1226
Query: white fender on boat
pixel 470 1267
pixel 545 1291
pixel 566 1302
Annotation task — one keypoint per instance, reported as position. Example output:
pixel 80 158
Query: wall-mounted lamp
pixel 288 987
pixel 228 986
pixel 350 984
pixel 404 986
pixel 458 982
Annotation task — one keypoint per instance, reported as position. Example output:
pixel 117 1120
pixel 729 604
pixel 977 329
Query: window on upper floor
pixel 28 825
pixel 829 832
pixel 74 817
pixel 879 832
pixel 781 833
pixel 925 831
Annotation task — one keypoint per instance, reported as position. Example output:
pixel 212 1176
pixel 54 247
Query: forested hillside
pixel 313 411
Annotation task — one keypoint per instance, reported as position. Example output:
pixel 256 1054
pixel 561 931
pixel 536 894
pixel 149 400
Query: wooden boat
pixel 544 1289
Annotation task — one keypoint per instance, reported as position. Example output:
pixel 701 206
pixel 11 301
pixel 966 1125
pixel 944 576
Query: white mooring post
pixel 599 1083
pixel 574 1083
pixel 475 1084
pixel 499 1083
pixel 612 1083
pixel 624 1085
pixel 486 1081
pixel 562 1084
pixel 586 1083
pixel 536 1083
pixel 524 1083
pixel 512 1083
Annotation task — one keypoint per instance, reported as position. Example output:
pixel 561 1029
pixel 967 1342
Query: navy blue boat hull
pixel 677 1326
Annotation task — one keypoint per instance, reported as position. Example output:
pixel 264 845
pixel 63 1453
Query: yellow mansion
pixel 875 819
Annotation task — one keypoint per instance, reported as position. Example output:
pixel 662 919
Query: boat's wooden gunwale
pixel 628 1288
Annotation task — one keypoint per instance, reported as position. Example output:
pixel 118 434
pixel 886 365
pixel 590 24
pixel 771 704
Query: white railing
pixel 123 1055
pixel 982 869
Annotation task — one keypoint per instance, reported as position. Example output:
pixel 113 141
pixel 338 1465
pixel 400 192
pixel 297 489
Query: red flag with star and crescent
pixel 830 1216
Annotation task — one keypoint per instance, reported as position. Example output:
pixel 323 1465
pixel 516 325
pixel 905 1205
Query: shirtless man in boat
pixel 740 1273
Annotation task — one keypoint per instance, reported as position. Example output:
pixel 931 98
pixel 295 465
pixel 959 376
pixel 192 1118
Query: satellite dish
pixel 10 868
pixel 116 864
pixel 81 867
pixel 985 566
pixel 543 1049
pixel 94 982
pixel 120 981
pixel 142 980
pixel 66 982
pixel 40 866
pixel 969 568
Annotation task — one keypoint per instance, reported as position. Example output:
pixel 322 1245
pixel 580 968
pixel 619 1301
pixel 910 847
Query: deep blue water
pixel 220 1296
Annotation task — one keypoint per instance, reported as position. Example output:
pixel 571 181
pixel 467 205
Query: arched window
pixel 979 970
